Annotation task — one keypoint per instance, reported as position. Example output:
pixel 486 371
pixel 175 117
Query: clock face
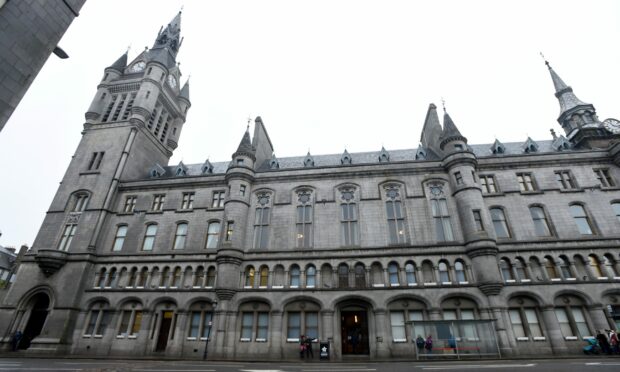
pixel 612 125
pixel 138 66
pixel 172 81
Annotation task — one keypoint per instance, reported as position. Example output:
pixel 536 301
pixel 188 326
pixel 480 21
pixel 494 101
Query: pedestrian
pixel 614 342
pixel 309 353
pixel 419 342
pixel 17 337
pixel 302 346
pixel 428 344
pixel 603 342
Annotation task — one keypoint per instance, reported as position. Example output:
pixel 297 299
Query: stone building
pixel 29 32
pixel 138 257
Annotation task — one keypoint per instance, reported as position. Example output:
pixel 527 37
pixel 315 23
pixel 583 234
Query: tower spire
pixel 170 36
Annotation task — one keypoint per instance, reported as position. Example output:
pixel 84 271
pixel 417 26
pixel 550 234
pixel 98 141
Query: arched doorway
pixel 354 329
pixel 39 305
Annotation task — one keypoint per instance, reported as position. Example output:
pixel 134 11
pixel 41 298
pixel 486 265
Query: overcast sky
pixel 323 75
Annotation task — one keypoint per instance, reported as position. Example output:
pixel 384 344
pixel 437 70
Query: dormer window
pixel 420 154
pixel 346 158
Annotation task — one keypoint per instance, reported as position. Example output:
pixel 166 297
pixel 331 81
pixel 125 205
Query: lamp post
pixel 204 356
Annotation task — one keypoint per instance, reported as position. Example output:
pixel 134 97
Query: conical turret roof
pixel 120 64
pixel 185 91
pixel 564 93
pixel 245 146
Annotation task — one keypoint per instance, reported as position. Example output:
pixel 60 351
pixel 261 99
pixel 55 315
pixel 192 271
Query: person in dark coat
pixel 603 342
pixel 419 342
pixel 428 344
pixel 309 353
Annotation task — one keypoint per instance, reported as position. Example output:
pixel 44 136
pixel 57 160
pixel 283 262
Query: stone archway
pixel 39 309
pixel 354 327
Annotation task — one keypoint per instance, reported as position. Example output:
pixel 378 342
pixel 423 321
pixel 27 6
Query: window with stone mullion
pixel 441 217
pixel 261 227
pixel 396 221
pixel 304 226
pixel 348 222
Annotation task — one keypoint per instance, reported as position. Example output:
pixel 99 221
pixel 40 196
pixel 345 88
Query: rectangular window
pixel 242 189
pixel 104 320
pixel 67 237
pixel 396 221
pixel 580 321
pixel 247 325
pixel 348 224
pixel 526 182
pixel 188 200
pixel 119 107
pixel 261 228
pixel 443 227
pixel 119 239
pixel 180 236
pixel 565 327
pixel 230 226
pixel 488 184
pixel 397 319
pixel 125 318
pixel 194 324
pixel 458 177
pixel 95 160
pixel 478 220
pixel 294 325
pixel 533 323
pixel 262 328
pixel 92 321
pixel 213 235
pixel 565 180
pixel 130 204
pixel 304 226
pixel 158 202
pixel 218 199
pixel 517 323
pixel 312 325
pixel 149 237
pixel 604 178
pixel 108 110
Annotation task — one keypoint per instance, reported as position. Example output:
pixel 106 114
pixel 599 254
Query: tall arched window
pixel 130 319
pixel 199 277
pixel 180 236
pixel 264 277
pixel 506 269
pixel 596 267
pixel 565 267
pixel 520 268
pixel 441 217
pixel 149 237
pixel 459 271
pixel 249 277
pixel 541 224
pixel 261 221
pixel 395 214
pixel 310 276
pixel 499 223
pixel 176 277
pixel 393 274
pixel 133 276
pixel 211 277
pixel 525 318
pixel 360 275
pixel 98 319
pixel 213 234
pixel 119 239
pixel 581 219
pixel 163 279
pixel 295 276
pixel 142 277
pixel 444 272
pixel 428 273
pixel 348 217
pixel 570 312
pixel 410 273
pixel 343 276
pixel 552 273
pixel 111 282
pixel 303 236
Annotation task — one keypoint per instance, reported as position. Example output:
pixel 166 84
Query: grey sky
pixel 323 75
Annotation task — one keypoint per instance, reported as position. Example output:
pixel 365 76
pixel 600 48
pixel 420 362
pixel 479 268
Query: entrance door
pixel 38 314
pixel 164 331
pixel 354 332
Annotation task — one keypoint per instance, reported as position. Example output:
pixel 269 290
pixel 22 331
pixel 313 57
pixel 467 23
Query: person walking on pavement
pixel 302 346
pixel 419 342
pixel 17 337
pixel 309 353
pixel 614 342
pixel 603 342
pixel 428 344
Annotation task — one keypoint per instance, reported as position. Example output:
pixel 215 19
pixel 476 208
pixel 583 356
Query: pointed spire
pixel 169 37
pixel 432 128
pixel 120 64
pixel 450 131
pixel 245 146
pixel 564 93
pixel 185 91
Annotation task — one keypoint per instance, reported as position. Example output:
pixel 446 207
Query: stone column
pixel 277 336
pixel 327 330
pixel 434 313
pixel 501 321
pixel 175 347
pixel 381 342
pixel 552 331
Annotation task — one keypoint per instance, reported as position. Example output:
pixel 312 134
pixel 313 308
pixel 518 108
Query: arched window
pixel 142 277
pixel 348 217
pixel 180 237
pixel 101 278
pixel 213 235
pixel 581 219
pixel 80 200
pixel 537 269
pixel 612 264
pixel 395 214
pixel 410 273
pixel 211 277
pixel 459 308
pixel 295 275
pixel 441 217
pixel 552 273
pixel 176 277
pixel 310 276
pixel 327 276
pixel 360 275
pixel 279 277
pixel 149 237
pixel 254 321
pixel 163 279
pixel 506 269
pixel 565 267
pixel 119 239
pixel 199 277
pixel 249 277
pixel 428 273
pixel 541 224
pixel 521 270
pixel 133 276
pixel 261 222
pixel 98 319
pixel 525 318
pixel 404 310
pixel 393 274
pixel 200 317
pixel 130 319
pixel 459 271
pixel 570 312
pixel 111 282
pixel 580 267
pixel 444 273
pixel 499 223
pixel 264 277
pixel 343 276
pixel 301 318
pixel 304 219
pixel 596 267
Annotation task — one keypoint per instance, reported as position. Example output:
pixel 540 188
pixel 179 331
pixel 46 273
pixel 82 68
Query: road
pixel 595 364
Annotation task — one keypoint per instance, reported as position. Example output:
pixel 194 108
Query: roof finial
pixel 545 59
pixel 128 49
pixel 249 120
pixel 182 6
pixel 443 104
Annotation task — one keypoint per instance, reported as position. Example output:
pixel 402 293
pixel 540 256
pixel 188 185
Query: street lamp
pixel 214 304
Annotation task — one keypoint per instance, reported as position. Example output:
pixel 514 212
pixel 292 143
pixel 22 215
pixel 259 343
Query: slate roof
pixel 370 157
pixel 7 258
